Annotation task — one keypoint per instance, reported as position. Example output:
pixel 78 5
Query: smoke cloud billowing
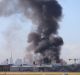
pixel 45 15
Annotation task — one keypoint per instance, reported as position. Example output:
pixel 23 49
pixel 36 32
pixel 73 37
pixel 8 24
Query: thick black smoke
pixel 47 13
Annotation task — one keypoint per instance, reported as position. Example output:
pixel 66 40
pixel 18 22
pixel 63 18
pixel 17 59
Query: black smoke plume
pixel 46 14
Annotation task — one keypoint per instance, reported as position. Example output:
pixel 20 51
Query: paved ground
pixel 37 73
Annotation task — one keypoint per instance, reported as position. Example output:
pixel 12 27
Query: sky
pixel 15 28
pixel 70 29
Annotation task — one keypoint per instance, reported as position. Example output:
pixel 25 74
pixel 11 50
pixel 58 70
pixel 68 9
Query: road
pixel 37 73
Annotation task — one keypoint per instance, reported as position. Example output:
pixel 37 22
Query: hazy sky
pixel 14 30
pixel 70 29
